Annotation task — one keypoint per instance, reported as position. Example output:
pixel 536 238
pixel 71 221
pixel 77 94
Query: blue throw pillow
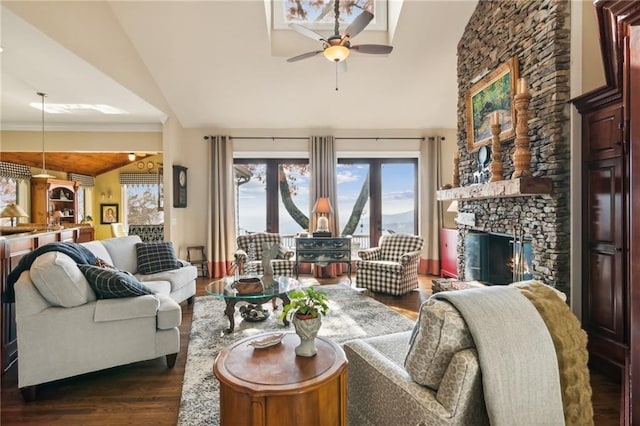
pixel 156 257
pixel 112 283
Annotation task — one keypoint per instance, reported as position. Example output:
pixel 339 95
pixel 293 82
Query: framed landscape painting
pixel 493 92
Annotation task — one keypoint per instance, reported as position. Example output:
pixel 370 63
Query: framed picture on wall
pixel 494 92
pixel 108 213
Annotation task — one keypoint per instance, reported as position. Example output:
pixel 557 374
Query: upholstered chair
pixel 248 256
pixel 392 267
pixel 117 230
pixel 430 376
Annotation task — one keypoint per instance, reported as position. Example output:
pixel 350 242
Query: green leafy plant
pixel 307 303
pixel 87 219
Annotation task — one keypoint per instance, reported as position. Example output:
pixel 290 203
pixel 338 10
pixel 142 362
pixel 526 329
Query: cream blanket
pixel 517 357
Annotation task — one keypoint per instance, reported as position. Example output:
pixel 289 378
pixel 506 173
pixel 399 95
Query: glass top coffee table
pixel 224 288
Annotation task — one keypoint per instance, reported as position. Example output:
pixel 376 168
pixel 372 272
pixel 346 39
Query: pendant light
pixel 44 173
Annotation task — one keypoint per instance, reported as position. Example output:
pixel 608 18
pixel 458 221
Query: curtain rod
pixel 273 138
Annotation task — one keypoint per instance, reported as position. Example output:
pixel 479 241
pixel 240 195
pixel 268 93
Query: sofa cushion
pixel 156 257
pixel 60 281
pixel 177 278
pixel 111 283
pixel 97 248
pixel 439 334
pixel 123 252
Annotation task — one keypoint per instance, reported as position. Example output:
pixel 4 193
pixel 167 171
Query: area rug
pixel 351 315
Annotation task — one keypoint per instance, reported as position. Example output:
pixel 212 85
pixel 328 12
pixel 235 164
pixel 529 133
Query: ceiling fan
pixel 337 47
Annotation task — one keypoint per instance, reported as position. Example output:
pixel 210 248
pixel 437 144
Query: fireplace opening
pixel 492 258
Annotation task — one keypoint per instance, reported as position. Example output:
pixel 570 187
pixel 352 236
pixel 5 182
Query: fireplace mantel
pixel 522 187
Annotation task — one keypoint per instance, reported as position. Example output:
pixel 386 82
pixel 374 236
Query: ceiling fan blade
pixel 307 32
pixel 375 49
pixel 304 56
pixel 358 24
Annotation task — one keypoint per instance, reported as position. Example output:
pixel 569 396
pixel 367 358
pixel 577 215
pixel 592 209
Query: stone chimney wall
pixel 537 32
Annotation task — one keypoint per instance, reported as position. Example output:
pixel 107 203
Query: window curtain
pixel 430 211
pixel 323 161
pixel 221 220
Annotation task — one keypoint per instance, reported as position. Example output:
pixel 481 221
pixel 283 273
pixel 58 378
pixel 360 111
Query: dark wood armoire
pixel 611 204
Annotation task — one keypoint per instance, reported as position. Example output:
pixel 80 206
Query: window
pixel 377 196
pixel 141 204
pixel 272 195
pixel 8 195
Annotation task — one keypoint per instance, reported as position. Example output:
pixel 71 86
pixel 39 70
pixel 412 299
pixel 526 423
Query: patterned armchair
pixel 392 267
pixel 248 257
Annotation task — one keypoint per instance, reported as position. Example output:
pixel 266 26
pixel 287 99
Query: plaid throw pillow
pixel 156 257
pixel 111 283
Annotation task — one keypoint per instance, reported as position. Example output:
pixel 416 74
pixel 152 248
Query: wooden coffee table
pixel 273 386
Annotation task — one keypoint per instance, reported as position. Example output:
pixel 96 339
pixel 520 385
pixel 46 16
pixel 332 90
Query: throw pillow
pixel 59 281
pixel 110 283
pixel 439 334
pixel 156 257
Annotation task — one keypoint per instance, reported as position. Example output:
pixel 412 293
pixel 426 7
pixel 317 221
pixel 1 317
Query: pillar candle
pixel 495 118
pixel 523 87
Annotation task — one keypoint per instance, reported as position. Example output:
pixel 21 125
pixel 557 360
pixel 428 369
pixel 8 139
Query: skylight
pixel 70 108
pixel 319 14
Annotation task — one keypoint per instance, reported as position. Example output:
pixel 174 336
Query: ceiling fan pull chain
pixel 337 76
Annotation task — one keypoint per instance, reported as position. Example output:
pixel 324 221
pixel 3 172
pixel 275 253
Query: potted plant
pixel 305 308
pixel 87 219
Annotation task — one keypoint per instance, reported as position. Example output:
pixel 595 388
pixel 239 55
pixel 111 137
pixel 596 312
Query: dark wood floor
pixel 147 393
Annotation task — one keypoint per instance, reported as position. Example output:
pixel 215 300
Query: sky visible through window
pixel 397 199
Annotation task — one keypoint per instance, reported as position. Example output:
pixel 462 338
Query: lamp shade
pixel 453 207
pixel 323 206
pixel 13 210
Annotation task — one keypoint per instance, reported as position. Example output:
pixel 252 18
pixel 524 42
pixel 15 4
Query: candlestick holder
pixel 496 154
pixel 456 169
pixel 522 153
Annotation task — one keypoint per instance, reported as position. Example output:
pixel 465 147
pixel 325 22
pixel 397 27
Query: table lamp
pixel 322 208
pixel 13 211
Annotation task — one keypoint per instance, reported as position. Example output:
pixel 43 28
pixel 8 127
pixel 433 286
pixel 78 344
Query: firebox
pixel 491 258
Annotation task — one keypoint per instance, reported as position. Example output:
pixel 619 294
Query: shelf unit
pixel 54 195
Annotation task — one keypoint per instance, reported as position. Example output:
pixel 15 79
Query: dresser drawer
pixel 323 244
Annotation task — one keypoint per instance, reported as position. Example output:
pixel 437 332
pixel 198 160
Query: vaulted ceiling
pixel 218 64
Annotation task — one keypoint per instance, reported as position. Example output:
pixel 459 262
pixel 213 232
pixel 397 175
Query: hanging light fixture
pixel 132 156
pixel 44 173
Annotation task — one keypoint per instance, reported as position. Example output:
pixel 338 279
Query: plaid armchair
pixel 248 256
pixel 392 267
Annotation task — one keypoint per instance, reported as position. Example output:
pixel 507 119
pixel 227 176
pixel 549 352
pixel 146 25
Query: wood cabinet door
pixel 604 278
pixel 449 253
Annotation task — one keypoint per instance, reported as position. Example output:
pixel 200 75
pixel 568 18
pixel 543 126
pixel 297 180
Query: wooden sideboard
pixel 12 249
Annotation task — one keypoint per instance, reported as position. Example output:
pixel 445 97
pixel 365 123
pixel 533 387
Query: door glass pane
pixel 251 197
pixel 353 201
pixel 398 198
pixel 293 199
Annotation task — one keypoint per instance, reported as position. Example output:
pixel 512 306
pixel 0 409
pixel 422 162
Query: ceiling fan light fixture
pixel 336 53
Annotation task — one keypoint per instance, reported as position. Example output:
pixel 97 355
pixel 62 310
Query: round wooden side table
pixel 273 386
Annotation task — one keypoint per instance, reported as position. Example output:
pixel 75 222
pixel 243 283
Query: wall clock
pixel 179 186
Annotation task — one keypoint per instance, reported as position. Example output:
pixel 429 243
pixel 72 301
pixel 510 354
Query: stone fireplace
pixel 537 33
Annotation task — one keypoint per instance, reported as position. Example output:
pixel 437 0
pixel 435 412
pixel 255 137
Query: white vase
pixel 307 330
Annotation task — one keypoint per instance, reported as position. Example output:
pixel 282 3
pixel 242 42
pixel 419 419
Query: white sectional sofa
pixel 64 330
pixel 180 284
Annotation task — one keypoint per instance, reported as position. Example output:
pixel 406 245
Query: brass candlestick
pixel 522 154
